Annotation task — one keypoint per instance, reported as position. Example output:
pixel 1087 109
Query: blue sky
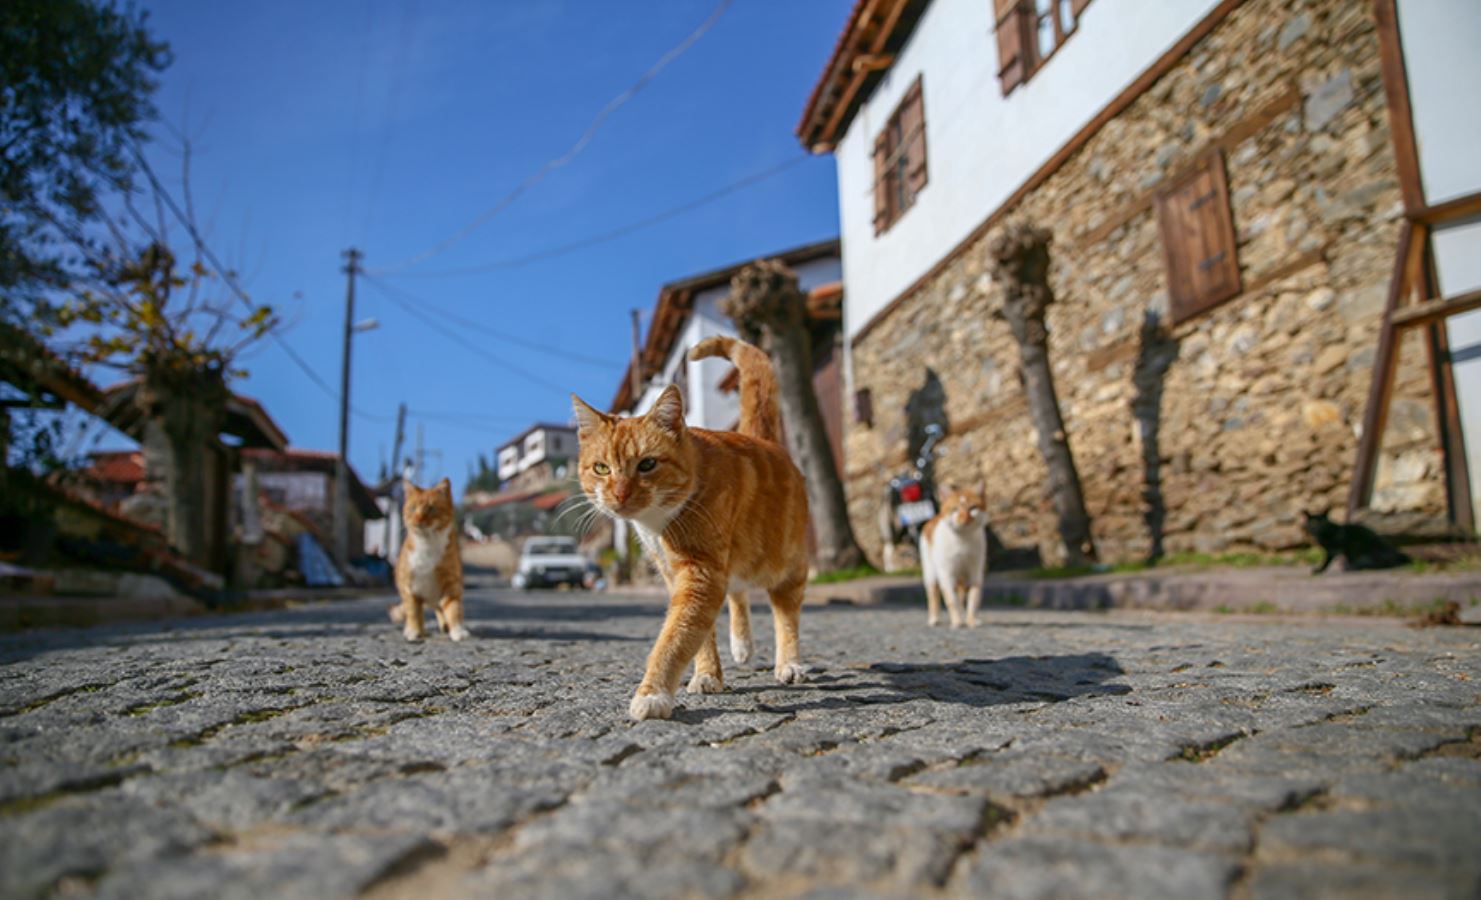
pixel 391 126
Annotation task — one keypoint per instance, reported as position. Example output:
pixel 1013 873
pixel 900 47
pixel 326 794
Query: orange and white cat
pixel 953 555
pixel 717 511
pixel 429 570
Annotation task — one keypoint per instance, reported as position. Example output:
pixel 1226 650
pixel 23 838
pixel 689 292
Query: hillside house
pixel 1228 185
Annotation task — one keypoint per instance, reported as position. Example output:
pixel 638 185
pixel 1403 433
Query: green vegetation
pixel 851 574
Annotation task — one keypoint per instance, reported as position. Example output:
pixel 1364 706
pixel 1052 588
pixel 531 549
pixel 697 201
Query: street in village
pixel 312 752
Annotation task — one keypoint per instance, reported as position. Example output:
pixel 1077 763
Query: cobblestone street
pixel 312 752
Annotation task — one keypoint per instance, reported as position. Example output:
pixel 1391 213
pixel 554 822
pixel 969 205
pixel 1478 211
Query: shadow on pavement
pixel 971 682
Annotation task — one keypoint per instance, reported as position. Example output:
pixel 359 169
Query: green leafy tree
pixel 76 85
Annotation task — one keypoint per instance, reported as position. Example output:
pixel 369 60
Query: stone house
pixel 1227 204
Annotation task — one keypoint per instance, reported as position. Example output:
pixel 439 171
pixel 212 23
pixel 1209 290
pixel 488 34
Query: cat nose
pixel 621 491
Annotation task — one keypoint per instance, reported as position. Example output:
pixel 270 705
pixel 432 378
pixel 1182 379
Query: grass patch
pixel 835 576
pixel 1263 608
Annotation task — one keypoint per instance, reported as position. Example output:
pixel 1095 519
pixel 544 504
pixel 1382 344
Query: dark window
pixel 900 159
pixel 1198 240
pixel 1029 32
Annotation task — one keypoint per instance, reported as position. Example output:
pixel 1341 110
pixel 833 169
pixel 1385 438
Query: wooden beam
pixel 874 44
pixel 1449 211
pixel 1447 410
pixel 873 62
pixel 1431 311
pixel 1380 390
pixel 1401 118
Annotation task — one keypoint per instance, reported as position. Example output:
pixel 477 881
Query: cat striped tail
pixel 759 415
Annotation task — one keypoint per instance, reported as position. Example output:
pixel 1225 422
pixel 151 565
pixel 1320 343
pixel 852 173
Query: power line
pixel 500 335
pixel 463 342
pixel 230 280
pixel 586 137
pixel 515 262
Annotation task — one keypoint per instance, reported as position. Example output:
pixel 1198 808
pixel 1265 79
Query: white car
pixel 548 562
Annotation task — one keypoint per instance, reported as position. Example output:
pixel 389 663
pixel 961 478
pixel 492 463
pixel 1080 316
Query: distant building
pixel 301 482
pixel 536 456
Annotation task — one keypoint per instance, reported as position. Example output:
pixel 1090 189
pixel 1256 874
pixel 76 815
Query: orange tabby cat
pixel 429 569
pixel 717 511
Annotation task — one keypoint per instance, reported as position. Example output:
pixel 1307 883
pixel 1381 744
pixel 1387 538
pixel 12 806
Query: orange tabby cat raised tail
pixel 717 511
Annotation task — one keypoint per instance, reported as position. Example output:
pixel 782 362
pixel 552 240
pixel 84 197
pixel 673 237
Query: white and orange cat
pixel 953 555
pixel 717 511
pixel 429 570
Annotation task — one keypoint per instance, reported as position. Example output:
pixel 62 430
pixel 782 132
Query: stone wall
pixel 1242 416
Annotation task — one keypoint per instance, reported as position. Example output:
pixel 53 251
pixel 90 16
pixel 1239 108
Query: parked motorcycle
pixel 910 499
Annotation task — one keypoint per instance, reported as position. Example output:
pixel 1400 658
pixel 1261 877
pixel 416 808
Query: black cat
pixel 1360 546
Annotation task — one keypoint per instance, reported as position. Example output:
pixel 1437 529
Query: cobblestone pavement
pixel 313 753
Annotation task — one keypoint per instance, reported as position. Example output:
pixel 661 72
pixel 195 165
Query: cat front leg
pixel 450 616
pixel 933 603
pixel 786 614
pixel 974 603
pixel 693 607
pixel 1326 561
pixel 953 602
pixel 414 628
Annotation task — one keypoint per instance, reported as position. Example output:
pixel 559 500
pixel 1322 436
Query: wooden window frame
pixel 894 150
pixel 1019 24
pixel 1184 302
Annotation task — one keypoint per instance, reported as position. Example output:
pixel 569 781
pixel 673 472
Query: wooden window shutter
pixel 1198 240
pixel 913 130
pixel 1012 28
pixel 1078 6
pixel 881 182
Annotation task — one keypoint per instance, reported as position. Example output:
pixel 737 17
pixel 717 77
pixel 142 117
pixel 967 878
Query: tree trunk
pixel 768 308
pixel 1021 266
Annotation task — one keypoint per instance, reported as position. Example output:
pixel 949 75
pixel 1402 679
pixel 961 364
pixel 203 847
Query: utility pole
pixel 421 456
pixel 342 465
pixel 637 366
pixel 393 515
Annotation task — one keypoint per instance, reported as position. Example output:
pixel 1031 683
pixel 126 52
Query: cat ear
pixel 668 410
pixel 446 486
pixel 587 418
pixel 410 487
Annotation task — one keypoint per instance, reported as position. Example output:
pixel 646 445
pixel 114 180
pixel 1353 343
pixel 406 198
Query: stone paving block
pixel 84 836
pixel 465 801
pixel 1358 881
pixel 1015 775
pixel 302 866
pixel 1042 867
pixel 1437 840
pixel 1126 814
pixel 850 853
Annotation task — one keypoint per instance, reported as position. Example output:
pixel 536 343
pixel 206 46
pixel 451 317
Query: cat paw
pixel 933 621
pixel 956 625
pixel 651 706
pixel 412 633
pixel 971 623
pixel 459 633
pixel 741 650
pixel 791 673
pixel 704 683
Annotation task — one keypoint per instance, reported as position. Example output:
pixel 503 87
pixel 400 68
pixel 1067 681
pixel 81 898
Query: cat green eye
pixel 601 468
pixel 647 464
